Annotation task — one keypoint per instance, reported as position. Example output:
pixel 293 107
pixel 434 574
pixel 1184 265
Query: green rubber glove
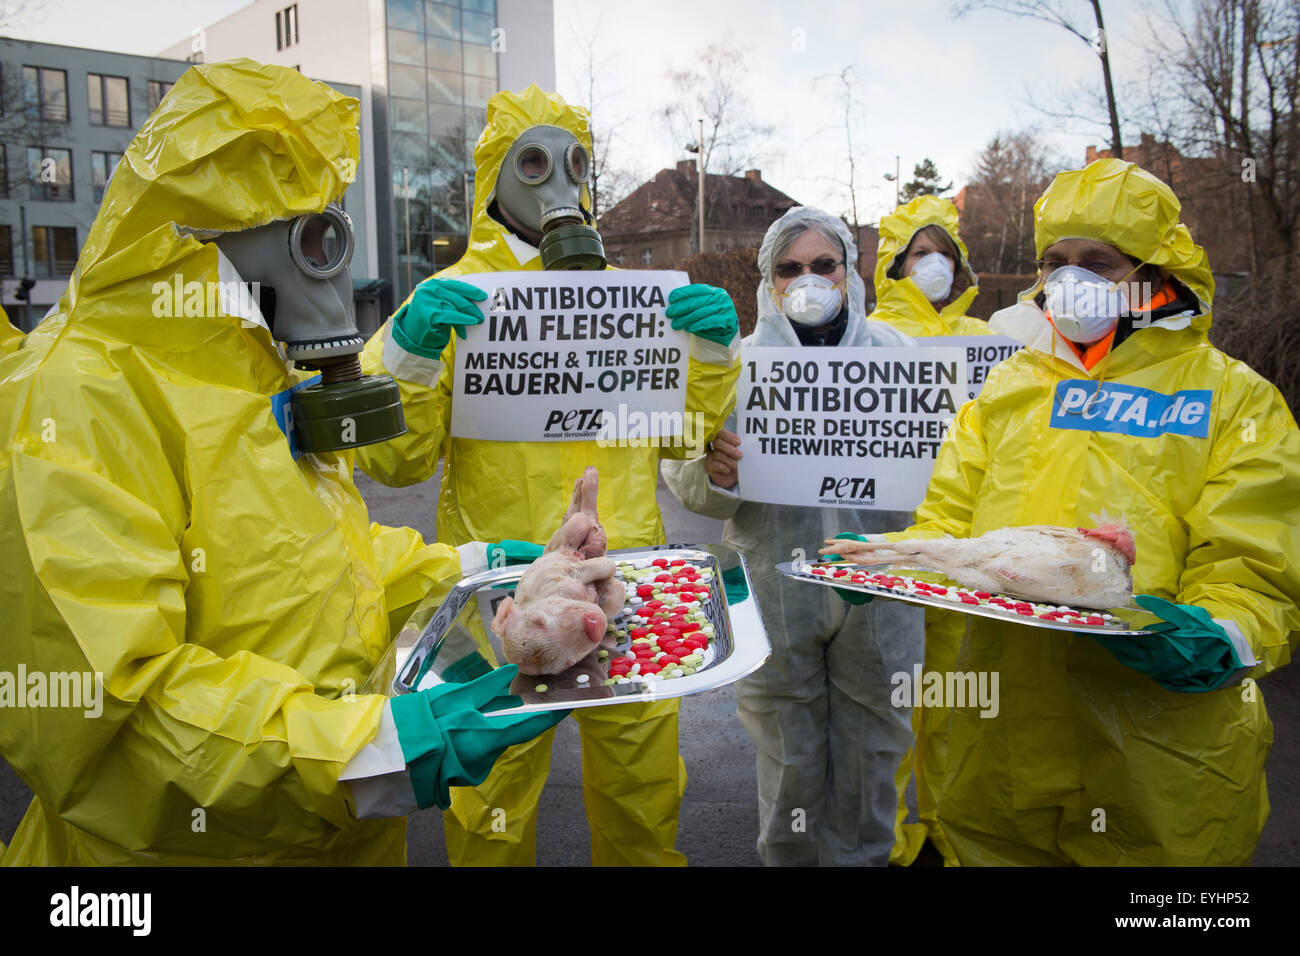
pixel 734 586
pixel 449 737
pixel 704 310
pixel 856 598
pixel 423 324
pixel 1188 652
pixel 508 552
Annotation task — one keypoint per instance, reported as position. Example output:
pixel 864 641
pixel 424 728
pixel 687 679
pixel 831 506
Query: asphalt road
pixel 719 818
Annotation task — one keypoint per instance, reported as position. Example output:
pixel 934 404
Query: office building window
pixel 286 27
pixel 6 251
pixel 101 171
pixel 45 93
pixel 50 172
pixel 110 100
pixel 54 250
pixel 157 90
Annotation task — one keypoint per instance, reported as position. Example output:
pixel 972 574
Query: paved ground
pixel 720 815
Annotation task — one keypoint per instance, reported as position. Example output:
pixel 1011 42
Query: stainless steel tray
pixel 1121 625
pixel 449 646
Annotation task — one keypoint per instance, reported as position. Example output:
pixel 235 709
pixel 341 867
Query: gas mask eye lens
pixel 577 163
pixel 533 164
pixel 321 244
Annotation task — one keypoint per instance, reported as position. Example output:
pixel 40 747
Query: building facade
pixel 656 225
pixel 66 116
pixel 425 70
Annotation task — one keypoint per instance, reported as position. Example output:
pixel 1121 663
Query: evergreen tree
pixel 926 181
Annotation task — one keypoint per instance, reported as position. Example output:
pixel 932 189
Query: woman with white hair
pixel 819 711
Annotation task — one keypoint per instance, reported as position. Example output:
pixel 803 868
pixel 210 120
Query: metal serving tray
pixel 1121 625
pixel 447 646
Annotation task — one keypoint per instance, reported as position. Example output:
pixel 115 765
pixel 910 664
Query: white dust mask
pixel 811 300
pixel 1084 306
pixel 933 276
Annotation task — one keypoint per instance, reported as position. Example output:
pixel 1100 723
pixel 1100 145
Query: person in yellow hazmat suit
pixel 10 334
pixel 1114 750
pixel 531 168
pixel 924 285
pixel 192 604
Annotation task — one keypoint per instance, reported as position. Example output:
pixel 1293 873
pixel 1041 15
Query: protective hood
pixel 1124 206
pixel 774 329
pixel 509 114
pixel 900 298
pixel 293 145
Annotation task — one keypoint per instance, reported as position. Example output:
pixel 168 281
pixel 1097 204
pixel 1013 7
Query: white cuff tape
pixel 408 366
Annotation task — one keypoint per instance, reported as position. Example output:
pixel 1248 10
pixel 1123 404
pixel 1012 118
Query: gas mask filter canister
pixel 301 265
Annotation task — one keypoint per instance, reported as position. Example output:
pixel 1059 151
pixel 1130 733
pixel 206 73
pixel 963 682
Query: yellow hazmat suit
pixel 156 532
pixel 901 304
pixel 633 779
pixel 1089 761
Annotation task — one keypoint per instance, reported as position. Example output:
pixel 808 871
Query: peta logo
pixel 842 488
pixel 574 419
pixel 1090 406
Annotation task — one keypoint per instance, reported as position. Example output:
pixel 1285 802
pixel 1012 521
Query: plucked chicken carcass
pixel 1087 567
pixel 565 599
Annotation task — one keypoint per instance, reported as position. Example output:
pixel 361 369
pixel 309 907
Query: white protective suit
pixel 819 711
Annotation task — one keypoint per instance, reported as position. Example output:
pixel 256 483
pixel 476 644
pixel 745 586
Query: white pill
pixel 583 678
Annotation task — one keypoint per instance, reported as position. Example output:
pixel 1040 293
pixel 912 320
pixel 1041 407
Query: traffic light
pixel 24 290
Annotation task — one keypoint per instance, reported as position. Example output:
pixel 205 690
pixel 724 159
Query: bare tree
pixel 609 183
pixel 1234 68
pixel 1225 88
pixel 711 91
pixel 998 217
pixel 846 97
pixel 1064 14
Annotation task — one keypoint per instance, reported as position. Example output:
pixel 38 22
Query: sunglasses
pixel 823 266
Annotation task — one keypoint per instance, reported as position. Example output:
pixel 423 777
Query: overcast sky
pixel 928 85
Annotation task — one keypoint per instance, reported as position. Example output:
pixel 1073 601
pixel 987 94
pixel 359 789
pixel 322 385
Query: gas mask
pixel 540 185
pixel 301 267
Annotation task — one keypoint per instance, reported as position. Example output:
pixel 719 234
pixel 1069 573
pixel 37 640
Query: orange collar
pixel 1089 355
pixel 1094 353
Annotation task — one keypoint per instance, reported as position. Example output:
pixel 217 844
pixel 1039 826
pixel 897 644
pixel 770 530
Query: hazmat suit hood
pixel 774 329
pixel 509 114
pixel 1123 205
pixel 232 146
pixel 901 297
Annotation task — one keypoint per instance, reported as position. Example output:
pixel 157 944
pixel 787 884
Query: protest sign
pixel 565 356
pixel 845 427
pixel 982 353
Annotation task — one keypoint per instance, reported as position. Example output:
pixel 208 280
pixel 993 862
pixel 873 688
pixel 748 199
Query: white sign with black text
pixel 845 427
pixel 569 356
pixel 982 353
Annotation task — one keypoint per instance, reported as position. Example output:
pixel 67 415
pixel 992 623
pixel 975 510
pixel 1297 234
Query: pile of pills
pixel 664 623
pixel 1057 614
